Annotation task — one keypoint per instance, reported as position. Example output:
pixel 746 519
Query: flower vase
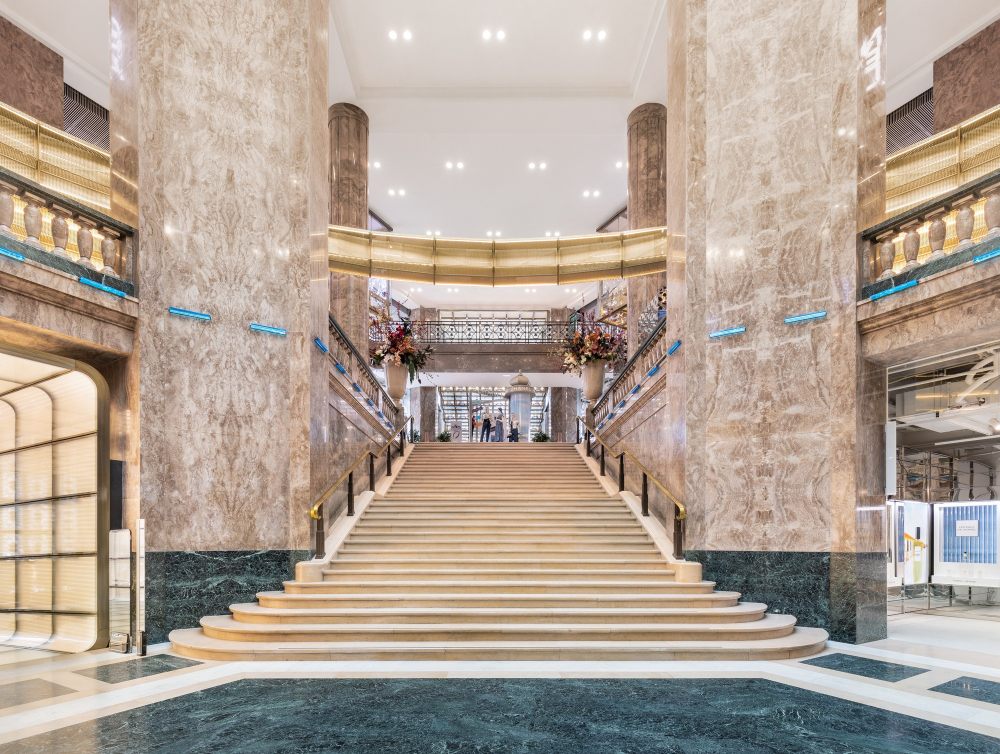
pixel 593 380
pixel 395 380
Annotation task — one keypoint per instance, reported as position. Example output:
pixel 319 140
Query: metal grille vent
pixel 910 123
pixel 84 118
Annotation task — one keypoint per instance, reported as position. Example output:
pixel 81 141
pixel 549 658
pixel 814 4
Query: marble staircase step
pixel 428 585
pixel 484 572
pixel 351 562
pixel 766 627
pixel 255 613
pixel 496 599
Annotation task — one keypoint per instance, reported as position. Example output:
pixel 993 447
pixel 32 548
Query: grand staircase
pixel 498 552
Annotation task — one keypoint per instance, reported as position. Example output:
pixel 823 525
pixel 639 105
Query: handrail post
pixel 402 440
pixel 602 460
pixel 320 538
pixel 645 494
pixel 371 472
pixel 621 472
pixel 388 460
pixel 350 494
pixel 578 433
pixel 586 433
pixel 678 535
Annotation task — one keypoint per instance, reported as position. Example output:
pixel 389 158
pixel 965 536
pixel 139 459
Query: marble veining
pixel 963 82
pixel 496 716
pixel 33 75
pixel 130 670
pixel 32 690
pixel 864 666
pixel 183 587
pixel 971 688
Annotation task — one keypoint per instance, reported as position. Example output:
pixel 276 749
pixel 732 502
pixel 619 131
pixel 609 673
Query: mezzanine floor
pixel 933 687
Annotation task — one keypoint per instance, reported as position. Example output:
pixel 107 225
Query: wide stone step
pixel 455 585
pixel 497 516
pixel 496 599
pixel 768 627
pixel 254 613
pixel 527 527
pixel 487 572
pixel 416 546
pixel 459 539
pixel 348 561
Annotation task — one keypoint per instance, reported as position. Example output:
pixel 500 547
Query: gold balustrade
pixel 535 261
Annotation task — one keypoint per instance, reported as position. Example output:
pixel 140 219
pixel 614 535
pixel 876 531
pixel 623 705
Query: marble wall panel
pixel 32 80
pixel 124 114
pixel 965 81
pixel 232 216
pixel 563 409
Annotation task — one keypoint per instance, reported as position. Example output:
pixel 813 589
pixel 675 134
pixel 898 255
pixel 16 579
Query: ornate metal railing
pixel 348 361
pixel 488 331
pixel 930 237
pixel 629 381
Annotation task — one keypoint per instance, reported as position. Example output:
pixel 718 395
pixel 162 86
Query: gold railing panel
pixel 54 159
pixel 943 162
pixel 536 261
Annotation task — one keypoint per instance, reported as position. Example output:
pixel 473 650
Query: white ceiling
pixel 482 298
pixel 488 379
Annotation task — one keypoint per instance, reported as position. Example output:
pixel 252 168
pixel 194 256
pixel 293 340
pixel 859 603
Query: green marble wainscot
pixel 843 593
pixel 183 587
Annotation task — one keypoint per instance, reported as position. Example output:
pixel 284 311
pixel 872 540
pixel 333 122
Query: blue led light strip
pixel 728 331
pixel 634 390
pixel 340 367
pixel 189 313
pixel 102 287
pixel 356 386
pixel 269 329
pixel 12 255
pixel 985 257
pixel 673 348
pixel 794 320
pixel 894 289
pixel 320 345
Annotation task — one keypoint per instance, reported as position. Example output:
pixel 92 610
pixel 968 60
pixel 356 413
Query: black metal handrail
pixel 493 331
pixel 316 512
pixel 680 510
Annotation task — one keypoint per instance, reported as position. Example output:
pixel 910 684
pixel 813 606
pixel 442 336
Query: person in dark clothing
pixel 487 425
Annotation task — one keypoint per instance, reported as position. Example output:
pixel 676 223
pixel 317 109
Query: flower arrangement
pixel 589 343
pixel 398 344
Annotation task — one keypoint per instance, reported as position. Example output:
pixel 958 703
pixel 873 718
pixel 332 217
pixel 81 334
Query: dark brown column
pixel 647 200
pixel 349 206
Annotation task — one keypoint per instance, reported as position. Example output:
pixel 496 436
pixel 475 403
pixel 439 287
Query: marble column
pixel 349 206
pixel 235 439
pixel 427 396
pixel 562 413
pixel 773 158
pixel 647 201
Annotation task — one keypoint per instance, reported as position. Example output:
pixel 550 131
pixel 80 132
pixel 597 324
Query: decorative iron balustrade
pixel 492 331
pixel 349 362
pixel 629 382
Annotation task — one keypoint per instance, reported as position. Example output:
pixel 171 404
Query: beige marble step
pixel 377 513
pixel 485 598
pixel 350 562
pixel 428 585
pixel 545 549
pixel 255 613
pixel 485 572
pixel 802 642
pixel 767 627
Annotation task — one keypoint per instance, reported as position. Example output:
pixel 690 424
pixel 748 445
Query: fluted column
pixel 647 200
pixel 349 206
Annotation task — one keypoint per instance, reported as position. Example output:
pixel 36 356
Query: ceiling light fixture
pixel 408 35
pixel 548 234
pixel 449 165
pixel 487 35
pixel 995 425
pixel 393 35
pixel 531 166
pixel 596 193
pixel 601 35
pixel 392 192
pixel 437 232
pixel 377 164
pixel 619 164
pixel 402 192
pixel 501 35
pixel 586 194
pixel 489 234
pixel 542 166
pixel 430 234
pixel 460 165
pixel 587 35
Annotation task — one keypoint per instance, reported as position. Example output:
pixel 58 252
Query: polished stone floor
pixel 932 687
pixel 506 715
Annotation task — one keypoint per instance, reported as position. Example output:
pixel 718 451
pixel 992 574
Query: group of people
pixel 489 426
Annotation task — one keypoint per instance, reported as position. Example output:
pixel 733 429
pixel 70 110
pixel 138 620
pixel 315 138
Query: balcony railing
pixel 942 163
pixel 937 235
pixel 632 378
pixel 490 331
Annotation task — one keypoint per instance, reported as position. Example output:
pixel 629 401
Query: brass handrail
pixel 314 511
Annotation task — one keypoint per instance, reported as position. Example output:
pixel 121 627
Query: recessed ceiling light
pixel 531 166
pixel 460 165
pixel 449 165
pixel 393 35
pixel 501 35
pixel 402 192
pixel 408 35
pixel 489 234
pixel 428 233
pixel 586 194
pixel 601 35
pixel 496 233
pixel 392 192
pixel 437 232
pixel 556 234
pixel 587 35
pixel 377 164
pixel 596 193
pixel 487 35
pixel 619 164
pixel 548 234
pixel 542 166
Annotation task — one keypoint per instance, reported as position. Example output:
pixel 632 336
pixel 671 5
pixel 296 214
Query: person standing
pixel 515 426
pixel 498 419
pixel 485 434
pixel 474 424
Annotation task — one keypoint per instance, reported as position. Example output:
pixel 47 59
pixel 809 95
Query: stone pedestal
pixel 349 300
pixel 647 200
